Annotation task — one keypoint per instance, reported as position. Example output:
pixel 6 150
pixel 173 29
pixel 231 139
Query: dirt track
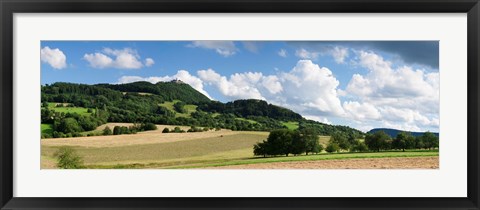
pixel 364 163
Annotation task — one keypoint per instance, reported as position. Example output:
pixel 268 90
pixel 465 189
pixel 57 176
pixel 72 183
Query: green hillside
pixel 169 103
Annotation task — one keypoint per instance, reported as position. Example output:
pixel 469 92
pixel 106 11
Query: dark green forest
pixel 139 103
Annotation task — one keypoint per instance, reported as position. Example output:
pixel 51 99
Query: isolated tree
pixel 67 158
pixel 107 131
pixel 165 130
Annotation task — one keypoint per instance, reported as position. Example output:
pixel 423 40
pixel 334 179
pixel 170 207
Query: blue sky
pixel 363 84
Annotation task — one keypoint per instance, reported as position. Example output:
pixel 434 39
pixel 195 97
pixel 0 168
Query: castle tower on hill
pixel 177 81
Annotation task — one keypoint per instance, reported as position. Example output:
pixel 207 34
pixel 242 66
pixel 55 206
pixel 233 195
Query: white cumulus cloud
pixel 305 54
pixel 400 97
pixel 339 54
pixel 224 48
pixel 114 58
pixel 55 57
pixel 238 86
pixel 149 62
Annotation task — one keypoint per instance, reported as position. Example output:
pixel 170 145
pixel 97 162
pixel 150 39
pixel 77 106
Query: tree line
pixel 285 142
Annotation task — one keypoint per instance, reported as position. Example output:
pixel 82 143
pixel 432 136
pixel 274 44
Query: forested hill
pixel 394 132
pixel 174 90
pixel 251 107
pixel 172 103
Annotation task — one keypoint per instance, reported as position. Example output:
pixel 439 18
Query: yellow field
pixel 232 149
pixel 155 147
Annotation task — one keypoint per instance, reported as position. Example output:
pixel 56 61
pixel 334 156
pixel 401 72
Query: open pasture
pixel 189 107
pixel 222 149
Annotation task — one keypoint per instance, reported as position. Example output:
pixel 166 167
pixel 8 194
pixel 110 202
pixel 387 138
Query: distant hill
pixel 393 132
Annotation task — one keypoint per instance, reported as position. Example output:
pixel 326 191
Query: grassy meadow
pixel 190 108
pixel 154 149
pixel 66 109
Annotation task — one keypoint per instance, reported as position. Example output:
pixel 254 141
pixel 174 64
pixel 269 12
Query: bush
pixel 359 147
pixel 178 130
pixel 67 158
pixel 180 107
pixel 148 127
pixel 107 131
pixel 332 147
pixel 166 130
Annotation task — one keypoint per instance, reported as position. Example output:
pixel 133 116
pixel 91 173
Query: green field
pixel 189 107
pixel 291 125
pixel 47 128
pixel 247 120
pixel 78 110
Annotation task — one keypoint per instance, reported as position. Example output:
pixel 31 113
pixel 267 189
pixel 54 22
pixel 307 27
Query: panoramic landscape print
pixel 239 105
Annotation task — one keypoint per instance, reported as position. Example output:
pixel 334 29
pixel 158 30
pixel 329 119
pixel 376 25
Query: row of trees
pixel 119 130
pixel 379 141
pixel 285 142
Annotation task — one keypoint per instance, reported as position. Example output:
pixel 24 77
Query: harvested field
pixel 365 163
pixel 141 138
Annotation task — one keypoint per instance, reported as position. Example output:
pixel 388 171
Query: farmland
pixel 223 148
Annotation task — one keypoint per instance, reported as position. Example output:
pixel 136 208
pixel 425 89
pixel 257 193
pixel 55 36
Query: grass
pixel 291 125
pixel 324 140
pixel 189 107
pixel 324 156
pixel 78 110
pixel 166 152
pixel 207 152
pixel 47 128
pixel 156 150
pixel 247 120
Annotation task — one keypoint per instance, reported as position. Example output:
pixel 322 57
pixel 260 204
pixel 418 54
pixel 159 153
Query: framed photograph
pixel 239 105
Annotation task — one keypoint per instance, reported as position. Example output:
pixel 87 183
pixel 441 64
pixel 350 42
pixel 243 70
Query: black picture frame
pixel 10 7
